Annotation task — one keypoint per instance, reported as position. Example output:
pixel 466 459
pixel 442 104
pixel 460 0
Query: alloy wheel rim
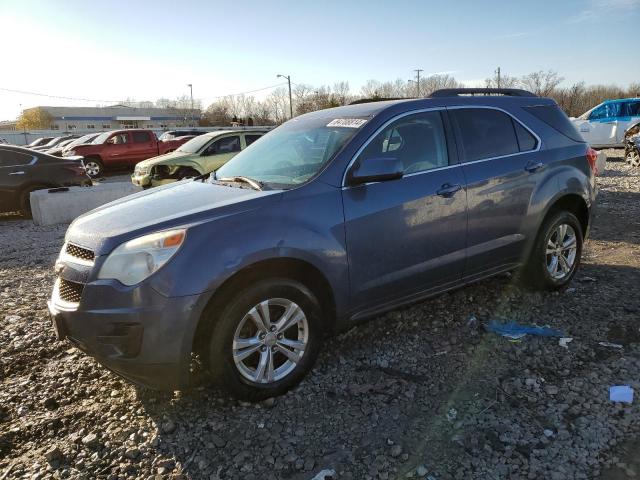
pixel 92 168
pixel 562 248
pixel 633 158
pixel 270 340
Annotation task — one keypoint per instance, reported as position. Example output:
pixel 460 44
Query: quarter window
pixel 485 133
pixel 417 141
pixel 9 158
pixel 526 141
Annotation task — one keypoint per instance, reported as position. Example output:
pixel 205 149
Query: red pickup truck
pixel 121 148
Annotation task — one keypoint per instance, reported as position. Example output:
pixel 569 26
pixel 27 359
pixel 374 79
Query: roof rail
pixel 455 92
pixel 376 99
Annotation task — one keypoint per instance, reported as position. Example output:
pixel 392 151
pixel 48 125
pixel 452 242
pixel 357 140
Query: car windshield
pixel 293 153
pixel 81 140
pixel 102 137
pixel 195 144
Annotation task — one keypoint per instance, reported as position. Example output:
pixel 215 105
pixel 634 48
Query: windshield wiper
pixel 202 177
pixel 255 184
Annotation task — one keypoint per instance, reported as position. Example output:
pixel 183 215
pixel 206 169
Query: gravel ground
pixel 421 392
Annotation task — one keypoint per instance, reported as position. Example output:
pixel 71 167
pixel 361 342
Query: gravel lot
pixel 422 392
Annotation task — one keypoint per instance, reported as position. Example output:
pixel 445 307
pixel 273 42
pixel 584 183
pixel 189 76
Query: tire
pixel 187 172
pixel 25 199
pixel 94 167
pixel 541 272
pixel 243 377
pixel 632 157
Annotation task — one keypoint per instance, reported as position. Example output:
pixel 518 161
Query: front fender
pixel 305 224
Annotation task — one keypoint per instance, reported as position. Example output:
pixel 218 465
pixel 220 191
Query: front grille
pixel 70 291
pixel 79 252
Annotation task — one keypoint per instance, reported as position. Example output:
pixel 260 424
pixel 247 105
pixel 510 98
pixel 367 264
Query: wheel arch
pixel 288 267
pixel 573 203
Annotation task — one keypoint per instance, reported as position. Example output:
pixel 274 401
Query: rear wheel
pixel 555 256
pixel 25 199
pixel 266 339
pixel 94 167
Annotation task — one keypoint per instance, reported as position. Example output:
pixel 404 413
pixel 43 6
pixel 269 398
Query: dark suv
pixel 336 216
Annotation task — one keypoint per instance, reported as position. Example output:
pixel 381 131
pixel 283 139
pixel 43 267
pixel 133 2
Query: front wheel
pixel 633 157
pixel 266 339
pixel 555 256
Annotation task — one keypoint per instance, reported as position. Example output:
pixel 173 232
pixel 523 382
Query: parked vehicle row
pixel 202 154
pixel 23 171
pixel 121 148
pixel 331 218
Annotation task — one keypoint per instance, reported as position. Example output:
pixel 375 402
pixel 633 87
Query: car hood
pixel 179 204
pixel 167 158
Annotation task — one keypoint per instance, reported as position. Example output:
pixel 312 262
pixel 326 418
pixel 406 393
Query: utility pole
pixel 288 77
pixel 497 72
pixel 24 128
pixel 192 112
pixel 418 70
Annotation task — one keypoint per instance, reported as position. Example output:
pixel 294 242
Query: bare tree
pixel 436 82
pixel 341 92
pixel 506 81
pixel 541 83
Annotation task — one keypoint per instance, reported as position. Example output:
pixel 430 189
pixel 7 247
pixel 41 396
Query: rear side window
pixel 141 137
pixel 485 133
pixel 555 118
pixel 251 138
pixel 9 158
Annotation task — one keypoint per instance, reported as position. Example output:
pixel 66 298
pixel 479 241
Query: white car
pixel 607 124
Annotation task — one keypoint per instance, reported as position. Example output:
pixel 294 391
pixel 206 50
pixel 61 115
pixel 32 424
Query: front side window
pixel 9 158
pixel 119 139
pixel 224 145
pixel 418 141
pixel 485 133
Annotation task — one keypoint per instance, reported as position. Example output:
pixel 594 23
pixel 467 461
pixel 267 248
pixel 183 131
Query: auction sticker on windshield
pixel 347 122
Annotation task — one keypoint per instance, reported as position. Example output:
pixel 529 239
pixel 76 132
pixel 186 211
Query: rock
pixel 51 404
pixel 396 451
pixel 90 440
pixel 421 471
pixel 551 389
pixel 53 453
pixel 168 426
pixel 132 453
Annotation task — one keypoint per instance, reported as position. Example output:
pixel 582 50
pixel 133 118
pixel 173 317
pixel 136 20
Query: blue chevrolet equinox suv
pixel 334 217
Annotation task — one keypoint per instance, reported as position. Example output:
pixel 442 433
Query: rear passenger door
pixel 501 165
pixel 143 146
pixel 15 171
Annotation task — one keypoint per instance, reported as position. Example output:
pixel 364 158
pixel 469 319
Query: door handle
pixel 447 190
pixel 533 167
pixel 17 173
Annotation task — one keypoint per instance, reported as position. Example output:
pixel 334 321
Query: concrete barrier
pixel 63 206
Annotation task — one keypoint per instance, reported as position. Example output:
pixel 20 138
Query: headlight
pixel 137 259
pixel 69 153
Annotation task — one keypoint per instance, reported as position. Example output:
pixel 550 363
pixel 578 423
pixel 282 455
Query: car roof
pixel 216 133
pixel 617 100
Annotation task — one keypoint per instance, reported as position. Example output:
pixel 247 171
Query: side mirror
pixel 375 170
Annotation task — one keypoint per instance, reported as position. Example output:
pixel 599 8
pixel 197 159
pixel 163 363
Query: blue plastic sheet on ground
pixel 515 331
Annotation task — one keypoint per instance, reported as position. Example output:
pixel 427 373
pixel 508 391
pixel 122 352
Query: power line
pixel 25 92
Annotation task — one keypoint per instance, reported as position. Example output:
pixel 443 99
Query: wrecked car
pixel 202 154
pixel 334 217
pixel 610 123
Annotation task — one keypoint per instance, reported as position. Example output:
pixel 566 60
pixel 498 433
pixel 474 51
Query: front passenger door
pixel 406 236
pixel 219 152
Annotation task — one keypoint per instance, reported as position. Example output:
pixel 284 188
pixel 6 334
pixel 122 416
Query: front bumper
pixel 135 332
pixel 141 180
